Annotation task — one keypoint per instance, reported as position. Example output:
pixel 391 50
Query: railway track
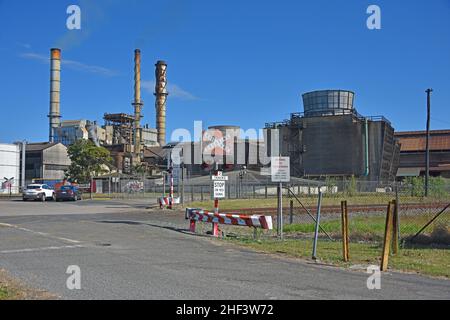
pixel 351 208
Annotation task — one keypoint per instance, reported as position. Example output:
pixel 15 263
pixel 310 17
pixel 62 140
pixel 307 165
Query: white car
pixel 40 192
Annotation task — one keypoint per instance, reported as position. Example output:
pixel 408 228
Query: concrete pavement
pixel 126 252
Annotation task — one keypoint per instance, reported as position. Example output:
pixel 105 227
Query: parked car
pixel 41 192
pixel 72 193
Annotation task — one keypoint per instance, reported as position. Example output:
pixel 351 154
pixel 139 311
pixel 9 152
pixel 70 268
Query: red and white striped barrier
pixel 255 221
pixel 166 202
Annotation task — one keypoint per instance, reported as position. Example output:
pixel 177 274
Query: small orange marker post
pixel 345 232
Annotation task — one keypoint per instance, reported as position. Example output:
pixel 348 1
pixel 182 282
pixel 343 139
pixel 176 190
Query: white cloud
pixel 173 89
pixel 24 45
pixel 75 65
pixel 35 56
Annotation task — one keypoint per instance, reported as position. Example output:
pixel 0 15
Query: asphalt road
pixel 127 252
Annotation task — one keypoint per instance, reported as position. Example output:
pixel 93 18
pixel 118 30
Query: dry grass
pixel 11 289
pixel 334 200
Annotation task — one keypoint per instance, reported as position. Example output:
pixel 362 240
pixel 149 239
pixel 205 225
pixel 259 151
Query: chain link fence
pixel 422 220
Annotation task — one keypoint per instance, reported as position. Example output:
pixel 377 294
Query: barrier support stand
pixel 387 238
pixel 192 226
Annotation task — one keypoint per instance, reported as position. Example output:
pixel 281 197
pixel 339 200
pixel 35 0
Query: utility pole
pixel 427 157
pixel 182 183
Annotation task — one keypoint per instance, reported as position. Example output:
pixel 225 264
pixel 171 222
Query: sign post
pixel 8 184
pixel 219 193
pixel 281 172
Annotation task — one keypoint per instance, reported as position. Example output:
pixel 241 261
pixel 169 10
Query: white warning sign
pixel 219 189
pixel 281 169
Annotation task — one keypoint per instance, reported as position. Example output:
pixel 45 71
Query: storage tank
pixel 220 140
pixel 234 131
pixel 328 103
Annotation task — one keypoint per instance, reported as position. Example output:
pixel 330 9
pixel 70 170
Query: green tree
pixel 88 161
pixel 438 187
pixel 140 169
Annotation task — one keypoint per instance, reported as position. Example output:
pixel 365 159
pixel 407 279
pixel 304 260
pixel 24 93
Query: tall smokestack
pixel 55 92
pixel 161 99
pixel 138 104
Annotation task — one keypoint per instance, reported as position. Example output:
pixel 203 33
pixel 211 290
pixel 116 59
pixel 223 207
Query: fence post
pixel 397 213
pixel 280 212
pixel 291 212
pixel 395 228
pixel 387 238
pixel 182 183
pixel 202 197
pixel 164 185
pixel 266 191
pixel 192 193
pixel 345 233
pixel 316 233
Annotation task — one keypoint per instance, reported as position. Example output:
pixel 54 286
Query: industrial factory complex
pixel 330 138
pixel 122 134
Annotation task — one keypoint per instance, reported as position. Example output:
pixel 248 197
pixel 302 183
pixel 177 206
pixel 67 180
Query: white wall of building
pixel 10 166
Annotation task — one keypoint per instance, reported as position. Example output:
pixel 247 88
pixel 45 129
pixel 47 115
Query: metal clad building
pixel 9 167
pixel 413 150
pixel 46 161
pixel 336 154
pixel 331 139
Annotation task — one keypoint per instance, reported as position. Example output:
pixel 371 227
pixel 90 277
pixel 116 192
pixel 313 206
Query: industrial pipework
pixel 161 99
pixel 366 148
pixel 138 103
pixel 55 92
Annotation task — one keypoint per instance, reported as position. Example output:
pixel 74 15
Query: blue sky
pixel 230 62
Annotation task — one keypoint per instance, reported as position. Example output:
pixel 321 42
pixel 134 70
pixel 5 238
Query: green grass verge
pixel 374 225
pixel 360 227
pixel 432 262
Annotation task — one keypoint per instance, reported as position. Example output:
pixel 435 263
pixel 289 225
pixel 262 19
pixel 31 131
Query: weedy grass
pixel 426 261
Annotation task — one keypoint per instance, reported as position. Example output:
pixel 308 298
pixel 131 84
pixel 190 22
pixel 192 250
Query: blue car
pixel 71 193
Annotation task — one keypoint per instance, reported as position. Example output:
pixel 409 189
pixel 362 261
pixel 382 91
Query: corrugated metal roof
pixel 39 146
pixel 409 133
pixel 416 141
pixel 155 152
pixel 408 172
